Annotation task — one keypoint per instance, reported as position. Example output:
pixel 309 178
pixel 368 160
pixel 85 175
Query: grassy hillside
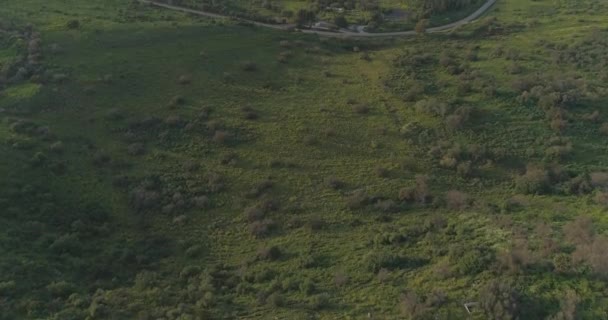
pixel 162 166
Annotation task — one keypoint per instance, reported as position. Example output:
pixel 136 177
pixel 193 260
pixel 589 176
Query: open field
pixel 157 165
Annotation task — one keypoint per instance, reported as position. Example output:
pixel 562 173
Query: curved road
pixel 339 34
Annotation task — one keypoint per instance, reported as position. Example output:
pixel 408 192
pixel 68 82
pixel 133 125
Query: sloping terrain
pixel 162 166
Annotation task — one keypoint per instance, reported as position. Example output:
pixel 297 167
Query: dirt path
pixel 339 34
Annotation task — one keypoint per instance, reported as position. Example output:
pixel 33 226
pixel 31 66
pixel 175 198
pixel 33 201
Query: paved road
pixel 339 34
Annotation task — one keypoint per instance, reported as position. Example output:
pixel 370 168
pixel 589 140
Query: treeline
pixel 426 8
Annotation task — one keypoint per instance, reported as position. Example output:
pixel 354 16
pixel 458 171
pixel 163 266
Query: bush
pixel 412 306
pixel 60 289
pixel 7 287
pixel 249 66
pixel 189 272
pixel 334 183
pixel 357 200
pixel 260 229
pixel 361 109
pixel 599 179
pixel 254 214
pixel 604 129
pixel 307 287
pixel 601 198
pixel 340 279
pixel 73 24
pixel 56 147
pixel 276 300
pixel 136 149
pixel 498 300
pixel 534 181
pixel 319 301
pixel 376 260
pixel 341 21
pixel 580 231
pixel 457 200
pixel 184 79
pixel 220 137
pixel 470 260
pixel 464 169
pixel 200 202
pixel 269 253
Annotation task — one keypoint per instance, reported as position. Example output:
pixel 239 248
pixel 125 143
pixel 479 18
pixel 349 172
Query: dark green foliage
pixel 499 301
pixel 534 181
pixel 139 183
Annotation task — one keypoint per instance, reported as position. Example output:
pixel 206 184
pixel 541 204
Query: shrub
pixel 136 149
pixel 558 124
pixel 386 206
pixel 249 66
pixel 177 101
pixel 7 287
pixel 142 199
pixel 254 214
pixel 515 259
pixel 412 306
pixel 310 140
pixel 593 117
pixel 184 79
pixel 56 147
pixel 315 224
pixel 421 192
pixel 200 202
pixel 361 109
pixel 382 172
pixel 562 263
pixel 383 275
pixel 599 179
pixel 470 261
pixel 580 231
pixel 498 300
pixel 276 300
pixel 340 279
pixel 334 183
pixel 534 181
pixel 319 301
pixel 174 121
pixel 260 229
pixel 250 114
pixel 357 200
pixel 101 158
pixel 375 260
pixel 215 182
pixel 193 251
pixel 578 185
pixel 307 287
pixel 269 253
pixel 220 136
pixel 73 24
pixel 60 289
pixel 38 159
pixel 260 188
pixel 464 169
pixel 190 271
pixel 448 162
pixel 457 200
pixel 601 198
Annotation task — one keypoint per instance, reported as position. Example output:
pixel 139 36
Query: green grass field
pixel 163 166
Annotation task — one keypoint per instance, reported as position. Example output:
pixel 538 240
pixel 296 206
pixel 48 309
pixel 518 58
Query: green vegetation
pixel 376 15
pixel 162 166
